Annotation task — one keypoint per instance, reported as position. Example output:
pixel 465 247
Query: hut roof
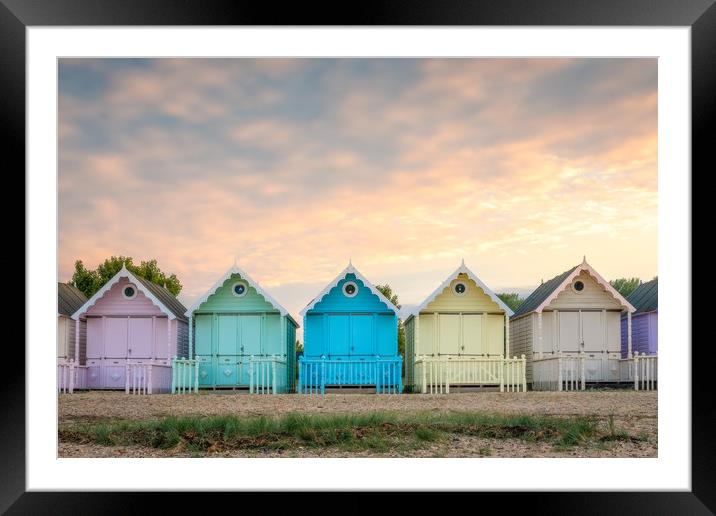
pixel 69 299
pixel 461 270
pixel 235 269
pixel 159 295
pixel 548 290
pixel 645 297
pixel 350 270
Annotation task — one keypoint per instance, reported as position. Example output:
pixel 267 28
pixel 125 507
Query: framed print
pixel 415 248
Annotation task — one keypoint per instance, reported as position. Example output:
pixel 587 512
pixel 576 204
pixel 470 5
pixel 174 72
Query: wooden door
pixel 162 348
pixel 228 334
pixel 94 337
pixel 569 335
pixel 449 342
pixel 495 335
pixel 361 335
pixel 250 343
pixel 203 335
pixel 140 338
pixel 472 335
pixel 338 335
pixel 116 337
pixel 592 332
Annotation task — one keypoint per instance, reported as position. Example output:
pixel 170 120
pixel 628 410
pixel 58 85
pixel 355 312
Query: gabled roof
pixel 69 299
pixel 159 295
pixel 460 270
pixel 645 297
pixel 235 269
pixel 350 270
pixel 549 290
pixel 540 293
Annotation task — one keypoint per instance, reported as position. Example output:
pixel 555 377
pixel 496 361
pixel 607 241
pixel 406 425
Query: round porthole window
pixel 239 289
pixel 578 286
pixel 350 289
pixel 129 292
pixel 459 289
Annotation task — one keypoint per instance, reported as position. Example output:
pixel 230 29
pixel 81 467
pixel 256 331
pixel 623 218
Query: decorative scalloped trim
pixel 123 273
pixel 584 266
pixel 461 270
pixel 235 269
pixel 349 270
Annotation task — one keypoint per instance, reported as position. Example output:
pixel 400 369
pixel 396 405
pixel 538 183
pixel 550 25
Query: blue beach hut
pixel 350 338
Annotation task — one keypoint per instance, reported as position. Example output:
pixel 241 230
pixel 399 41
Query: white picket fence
pixel 642 370
pixel 562 372
pixel 71 376
pixel 435 375
pixel 184 376
pixel 558 373
pixel 267 374
pixel 147 378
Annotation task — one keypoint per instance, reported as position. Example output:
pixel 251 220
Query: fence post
pixel 583 380
pixel 300 376
pixel 71 380
pixel 274 363
pixel 174 374
pixel 636 371
pixel 196 376
pixel 425 384
pixel 251 374
pixel 126 378
pixel 502 374
pixel 323 375
pixel 559 372
pixel 524 373
pixel 149 380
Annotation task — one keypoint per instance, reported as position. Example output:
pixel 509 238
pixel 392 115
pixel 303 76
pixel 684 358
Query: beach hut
pixel 569 330
pixel 350 338
pixel 644 321
pixel 241 338
pixel 459 336
pixel 71 339
pixel 134 327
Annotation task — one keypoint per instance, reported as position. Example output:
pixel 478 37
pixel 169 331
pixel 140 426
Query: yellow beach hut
pixel 459 336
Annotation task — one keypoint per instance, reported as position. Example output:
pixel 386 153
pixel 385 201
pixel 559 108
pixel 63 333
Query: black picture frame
pixel 700 15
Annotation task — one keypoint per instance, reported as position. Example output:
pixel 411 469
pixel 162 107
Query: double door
pixel 225 342
pixel 597 334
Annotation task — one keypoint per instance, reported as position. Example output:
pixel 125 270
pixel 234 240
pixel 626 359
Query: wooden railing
pixel 642 370
pixel 71 376
pixel 147 378
pixel 267 374
pixel 314 374
pixel 185 376
pixel 559 373
pixel 435 375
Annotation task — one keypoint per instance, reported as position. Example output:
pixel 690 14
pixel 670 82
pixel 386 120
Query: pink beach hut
pixel 134 328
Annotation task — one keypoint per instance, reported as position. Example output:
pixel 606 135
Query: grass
pixel 375 432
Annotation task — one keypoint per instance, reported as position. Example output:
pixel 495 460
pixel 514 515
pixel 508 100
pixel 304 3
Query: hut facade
pixel 459 336
pixel 350 338
pixel 569 331
pixel 134 328
pixel 644 321
pixel 71 339
pixel 241 338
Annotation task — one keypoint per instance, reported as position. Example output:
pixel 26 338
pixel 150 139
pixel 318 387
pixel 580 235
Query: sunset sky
pixel 519 166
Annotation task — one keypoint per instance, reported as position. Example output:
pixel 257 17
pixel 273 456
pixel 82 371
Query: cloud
pixel 520 166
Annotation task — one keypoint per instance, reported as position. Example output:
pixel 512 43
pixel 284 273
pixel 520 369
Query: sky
pixel 404 166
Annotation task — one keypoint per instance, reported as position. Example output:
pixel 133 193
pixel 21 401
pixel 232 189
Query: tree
pixel 511 299
pixel 90 281
pixel 625 286
pixel 387 291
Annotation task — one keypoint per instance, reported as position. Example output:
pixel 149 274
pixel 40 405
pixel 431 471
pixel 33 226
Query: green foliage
pixel 511 299
pixel 90 281
pixel 387 291
pixel 625 286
